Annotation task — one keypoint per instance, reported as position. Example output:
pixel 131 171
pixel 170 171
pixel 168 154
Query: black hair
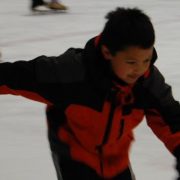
pixel 127 27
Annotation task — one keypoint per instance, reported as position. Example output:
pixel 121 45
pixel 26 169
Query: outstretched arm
pixel 24 78
pixel 163 114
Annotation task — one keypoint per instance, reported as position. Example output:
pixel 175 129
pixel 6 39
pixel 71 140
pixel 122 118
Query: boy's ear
pixel 106 52
pixel 154 56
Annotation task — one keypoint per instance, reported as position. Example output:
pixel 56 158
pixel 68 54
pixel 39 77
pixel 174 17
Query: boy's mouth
pixel 134 76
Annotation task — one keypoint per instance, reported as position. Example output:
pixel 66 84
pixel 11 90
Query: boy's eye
pixel 134 62
pixel 147 61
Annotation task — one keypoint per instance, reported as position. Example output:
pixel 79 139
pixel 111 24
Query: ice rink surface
pixel 24 149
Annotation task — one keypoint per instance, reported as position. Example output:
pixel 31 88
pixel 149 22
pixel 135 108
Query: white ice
pixel 24 149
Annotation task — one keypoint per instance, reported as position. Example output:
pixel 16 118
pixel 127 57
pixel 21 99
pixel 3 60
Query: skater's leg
pixel 56 165
pixel 39 5
pixel 67 169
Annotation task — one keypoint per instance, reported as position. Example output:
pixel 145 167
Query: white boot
pixel 40 8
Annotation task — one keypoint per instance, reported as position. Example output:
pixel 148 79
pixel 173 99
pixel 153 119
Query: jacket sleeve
pixel 163 113
pixel 22 78
pixel 42 79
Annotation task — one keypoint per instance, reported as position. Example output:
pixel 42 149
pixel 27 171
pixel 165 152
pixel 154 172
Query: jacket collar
pixel 97 69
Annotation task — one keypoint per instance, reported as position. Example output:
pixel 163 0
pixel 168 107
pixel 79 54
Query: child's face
pixel 131 63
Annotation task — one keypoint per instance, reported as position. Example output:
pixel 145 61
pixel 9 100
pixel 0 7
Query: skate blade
pixel 47 12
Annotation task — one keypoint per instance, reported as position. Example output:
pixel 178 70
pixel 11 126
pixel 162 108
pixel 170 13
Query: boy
pixel 95 97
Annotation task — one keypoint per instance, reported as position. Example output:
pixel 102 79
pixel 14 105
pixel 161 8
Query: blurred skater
pixel 42 6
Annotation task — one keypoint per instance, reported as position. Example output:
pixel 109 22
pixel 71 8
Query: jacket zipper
pixel 108 128
pixel 121 129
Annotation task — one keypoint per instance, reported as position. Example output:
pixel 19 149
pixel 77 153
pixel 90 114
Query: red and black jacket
pixel 91 114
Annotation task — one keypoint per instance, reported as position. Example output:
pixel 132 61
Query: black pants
pixel 37 3
pixel 72 170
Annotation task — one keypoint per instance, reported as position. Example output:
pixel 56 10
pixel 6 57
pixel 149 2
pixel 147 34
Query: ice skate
pixel 57 6
pixel 40 8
